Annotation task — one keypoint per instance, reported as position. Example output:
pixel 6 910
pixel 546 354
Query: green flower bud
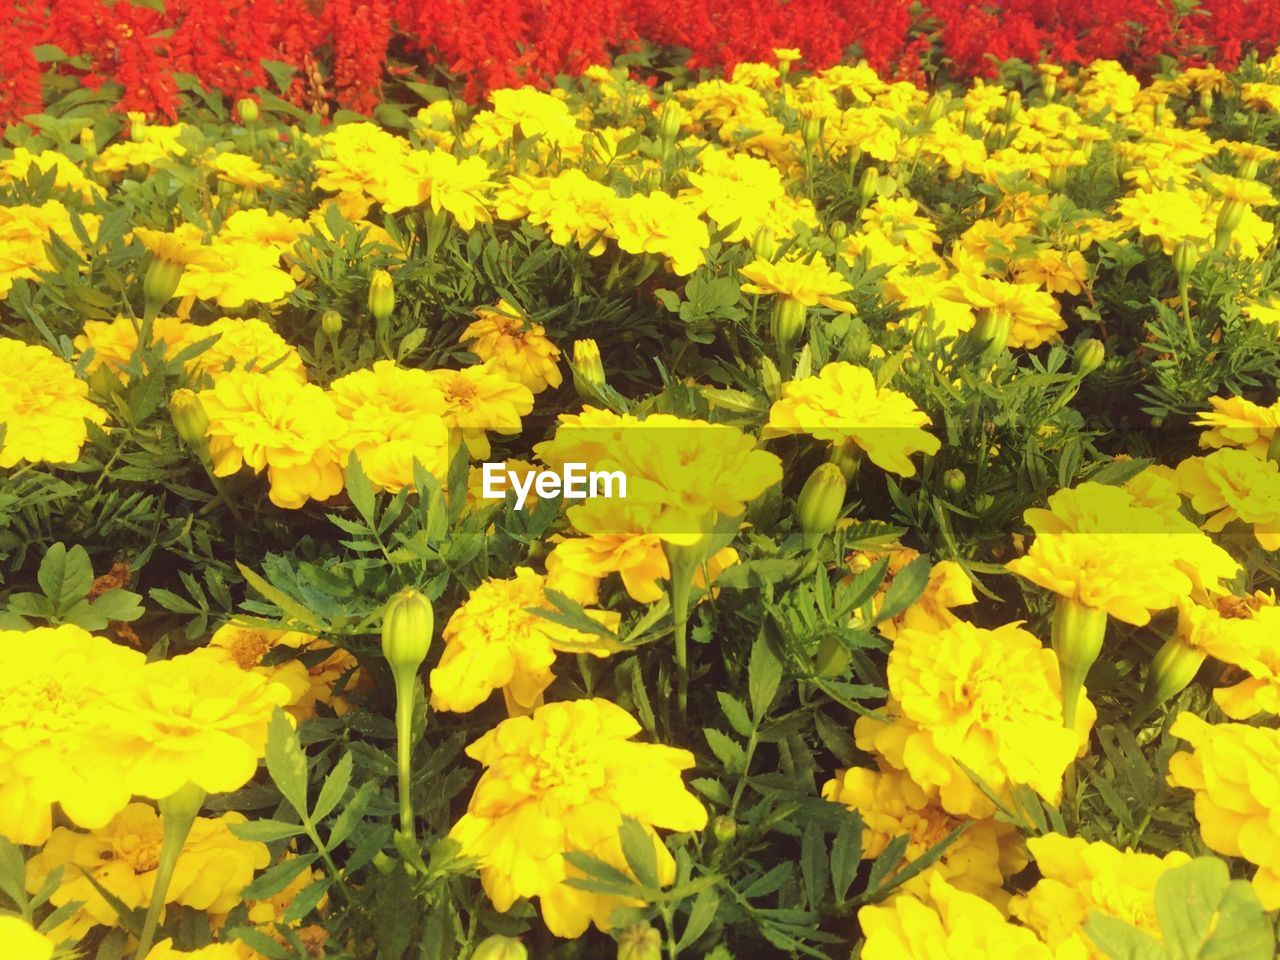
pixel 724 829
pixel 936 107
pixel 331 322
pixel 1058 174
pixel 1077 635
pixel 247 108
pixel 764 245
pixel 954 480
pixel 1049 86
pixel 992 331
pixel 820 501
pixel 189 418
pixel 639 942
pixel 1206 101
pixel 1012 106
pixel 1175 665
pixel 669 121
pixel 1248 169
pixel 407 624
pixel 500 948
pixel 588 368
pixel 838 230
pixel 1229 218
pixel 1185 256
pixel 382 295
pixel 1089 355
pixel 788 322
pixel 869 185
pixel 161 282
pixel 770 379
pixel 924 340
pixel 810 129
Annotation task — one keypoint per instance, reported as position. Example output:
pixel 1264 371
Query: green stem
pixel 404 746
pixel 680 591
pixel 178 812
pixel 1186 310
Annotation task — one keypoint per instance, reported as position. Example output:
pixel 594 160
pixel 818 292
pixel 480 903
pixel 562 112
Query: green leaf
pixel 726 750
pixel 335 785
pixel 905 588
pixel 735 713
pixel 1120 940
pixel 764 674
pixel 637 847
pixel 705 905
pixel 306 900
pixel 277 878
pixel 266 831
pixel 360 490
pixel 119 605
pixel 1204 914
pixel 350 816
pixel 13 873
pixel 65 575
pixel 813 861
pixel 846 855
pixel 286 762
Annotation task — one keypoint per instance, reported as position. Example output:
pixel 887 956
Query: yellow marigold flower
pixel 456 186
pixel 251 230
pixel 891 805
pixel 1240 631
pixel 1234 770
pixel 290 430
pixel 115 342
pixel 236 273
pixel 561 781
pixel 24 237
pixel 493 641
pixel 246 646
pixel 1170 216
pixel 480 400
pixel 393 416
pixel 656 223
pixel 1232 484
pixel 518 347
pixel 948 586
pixel 212 869
pixel 948 923
pixel 20 941
pixel 355 158
pixel 536 114
pixel 44 408
pixel 63 728
pixel 248 344
pixel 1054 270
pixel 1034 315
pixel 989 699
pixel 242 171
pixel 808 283
pixel 200 719
pixel 734 190
pixel 1156 487
pixel 1077 878
pixel 571 207
pixel 165 950
pixel 183 245
pixel 842 404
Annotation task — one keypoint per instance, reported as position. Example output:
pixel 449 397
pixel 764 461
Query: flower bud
pixel 992 330
pixel 936 107
pixel 500 948
pixel 1248 169
pixel 382 295
pixel 1175 665
pixel 1058 174
pixel 788 321
pixel 669 121
pixel 331 322
pixel 1049 86
pixel 137 127
pixel 954 480
pixel 724 829
pixel 161 281
pixel 771 380
pixel 1012 106
pixel 925 339
pixel 89 142
pixel 247 108
pixel 1089 355
pixel 588 369
pixel 1185 257
pixel 810 129
pixel 189 417
pixel 820 502
pixel 1229 217
pixel 407 624
pixel 640 942
pixel 1077 635
pixel 764 245
pixel 838 230
pixel 1206 101
pixel 869 185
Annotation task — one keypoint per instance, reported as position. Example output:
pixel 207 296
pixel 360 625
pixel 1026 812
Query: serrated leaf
pixel 360 490
pixel 65 575
pixel 727 751
pixel 813 861
pixel 703 911
pixel 350 816
pixel 735 713
pixel 335 785
pixel 306 900
pixel 13 872
pixel 1120 940
pixel 905 588
pixel 764 674
pixel 286 762
pixel 846 855
pixel 638 849
pixel 1204 914
pixel 265 831
pixel 275 879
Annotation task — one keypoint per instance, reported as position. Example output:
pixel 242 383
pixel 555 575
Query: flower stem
pixel 178 811
pixel 404 748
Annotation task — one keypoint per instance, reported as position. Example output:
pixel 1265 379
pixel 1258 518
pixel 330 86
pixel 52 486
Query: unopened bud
pixel 161 281
pixel 924 340
pixel 1049 86
pixel 382 295
pixel 810 129
pixel 1175 665
pixel 788 322
pixel 1089 355
pixel 847 455
pixel 771 380
pixel 992 330
pixel 1248 169
pixel 1185 257
pixel 764 244
pixel 724 828
pixel 588 368
pixel 1077 634
pixel 189 418
pixel 89 142
pixel 331 322
pixel 1206 101
pixel 1229 216
pixel 1058 174
pixel 1012 106
pixel 247 108
pixel 838 230
pixel 640 942
pixel 669 121
pixel 869 185
pixel 500 948
pixel 820 502
pixel 954 480
pixel 407 624
pixel 936 107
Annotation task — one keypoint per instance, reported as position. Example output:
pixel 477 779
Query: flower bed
pixel 918 602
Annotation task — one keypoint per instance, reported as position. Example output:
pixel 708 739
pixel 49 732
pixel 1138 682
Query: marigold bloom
pixel 808 283
pixel 1035 316
pixel 1232 484
pixel 393 416
pixel 115 342
pixel 457 186
pixel 842 404
pixel 949 923
pixel 1077 878
pixel 43 406
pixel 20 941
pixel 247 646
pixel 503 335
pixel 1237 422
pixel 989 699
pixel 1234 770
pixel 212 869
pixel 64 728
pixel 560 781
pixel 199 719
pixel 493 641
pixel 290 430
pixel 480 400
pixel 655 223
pixel 248 344
pixel 1171 216
pixel 165 950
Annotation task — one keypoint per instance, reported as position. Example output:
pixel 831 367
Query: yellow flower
pixel 1232 484
pixel 450 184
pixel 988 699
pixel 1171 216
pixel 949 924
pixel 20 941
pixel 67 175
pixel 948 586
pixel 891 805
pixel 1077 878
pixel 571 206
pixel 515 345
pixel 734 190
pixel 1034 315
pixel 1156 487
pixel 183 245
pixel 212 869
pixel 808 283
pixel 64 728
pixel 561 781
pixel 288 429
pixel 354 163
pixel 24 237
pixel 242 171
pixel 200 720
pixel 479 400
pixel 655 223
pixel 842 404
pixel 265 914
pixel 43 406
pixel 393 416
pixel 246 646
pixel 248 344
pixel 114 343
pixel 493 641
pixel 1054 270
pixel 165 950
pixel 1234 770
